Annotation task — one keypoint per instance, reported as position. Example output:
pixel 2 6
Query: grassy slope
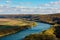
pixel 44 35
pixel 47 34
pixel 15 22
pixel 9 26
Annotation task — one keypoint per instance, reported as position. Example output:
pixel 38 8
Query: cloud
pixel 1 10
pixel 51 7
pixel 48 8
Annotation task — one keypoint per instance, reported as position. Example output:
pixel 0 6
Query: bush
pixel 40 37
pixel 57 31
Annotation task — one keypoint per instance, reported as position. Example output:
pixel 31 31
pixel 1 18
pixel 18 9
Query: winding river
pixel 20 35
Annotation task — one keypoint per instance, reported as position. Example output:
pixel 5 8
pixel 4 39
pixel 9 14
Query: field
pixel 53 33
pixel 9 26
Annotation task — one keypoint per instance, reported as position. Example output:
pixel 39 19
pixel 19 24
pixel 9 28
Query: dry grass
pixel 14 22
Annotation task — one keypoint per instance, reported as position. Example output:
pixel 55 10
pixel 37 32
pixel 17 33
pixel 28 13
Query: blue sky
pixel 27 3
pixel 29 6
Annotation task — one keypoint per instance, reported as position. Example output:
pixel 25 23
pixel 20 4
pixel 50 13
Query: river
pixel 20 35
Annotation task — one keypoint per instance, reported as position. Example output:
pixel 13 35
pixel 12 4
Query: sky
pixel 29 6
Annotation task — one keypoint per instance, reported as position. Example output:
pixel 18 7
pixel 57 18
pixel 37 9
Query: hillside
pixel 10 26
pixel 52 33
pixel 14 23
pixel 50 18
pixel 33 17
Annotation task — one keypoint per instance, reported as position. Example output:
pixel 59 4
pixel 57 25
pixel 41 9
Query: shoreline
pixel 14 29
pixel 20 30
pixel 47 22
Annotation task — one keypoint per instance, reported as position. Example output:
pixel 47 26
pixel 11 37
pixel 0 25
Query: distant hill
pixel 52 33
pixel 33 17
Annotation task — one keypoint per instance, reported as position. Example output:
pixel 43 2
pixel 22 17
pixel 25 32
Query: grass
pixel 9 26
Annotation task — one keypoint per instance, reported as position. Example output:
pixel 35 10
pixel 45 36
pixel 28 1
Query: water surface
pixel 20 35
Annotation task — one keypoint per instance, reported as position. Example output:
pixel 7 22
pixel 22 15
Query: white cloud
pixel 49 8
pixel 1 10
pixel 52 7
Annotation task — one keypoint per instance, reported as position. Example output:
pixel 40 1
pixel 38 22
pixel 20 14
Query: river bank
pixel 11 30
pixel 44 26
pixel 52 33
pixel 21 34
pixel 7 26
